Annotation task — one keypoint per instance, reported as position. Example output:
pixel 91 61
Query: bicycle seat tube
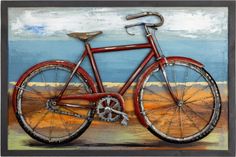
pixel 94 67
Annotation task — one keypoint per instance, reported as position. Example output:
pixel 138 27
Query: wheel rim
pixel 42 85
pixel 190 117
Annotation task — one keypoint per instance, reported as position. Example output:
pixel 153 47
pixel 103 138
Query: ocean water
pixel 115 66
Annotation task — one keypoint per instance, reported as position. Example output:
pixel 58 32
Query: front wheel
pixel 194 114
pixel 33 96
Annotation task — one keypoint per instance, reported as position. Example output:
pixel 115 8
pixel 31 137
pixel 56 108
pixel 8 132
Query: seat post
pixel 94 67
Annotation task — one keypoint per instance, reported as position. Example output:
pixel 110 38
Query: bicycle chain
pixel 75 115
pixel 67 113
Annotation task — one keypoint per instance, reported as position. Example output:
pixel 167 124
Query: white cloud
pixel 197 23
pixel 56 22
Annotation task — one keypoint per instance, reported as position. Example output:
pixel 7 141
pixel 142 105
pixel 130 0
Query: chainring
pixel 104 107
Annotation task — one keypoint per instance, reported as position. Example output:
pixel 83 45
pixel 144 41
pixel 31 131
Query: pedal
pixel 124 116
pixel 124 120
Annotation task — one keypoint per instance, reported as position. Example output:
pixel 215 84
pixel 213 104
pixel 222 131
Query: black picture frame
pixel 136 3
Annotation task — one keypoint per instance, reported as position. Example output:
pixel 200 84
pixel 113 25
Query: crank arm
pixel 120 113
pixel 124 115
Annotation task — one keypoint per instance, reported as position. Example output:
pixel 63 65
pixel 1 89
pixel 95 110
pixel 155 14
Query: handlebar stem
pixel 147 31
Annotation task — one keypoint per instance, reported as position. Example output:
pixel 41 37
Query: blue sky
pixel 39 34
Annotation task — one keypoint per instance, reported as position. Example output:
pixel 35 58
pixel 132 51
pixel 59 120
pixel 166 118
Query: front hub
pixel 180 103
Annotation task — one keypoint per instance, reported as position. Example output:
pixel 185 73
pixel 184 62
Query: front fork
pixel 163 61
pixel 163 71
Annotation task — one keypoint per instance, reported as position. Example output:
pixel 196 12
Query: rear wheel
pixel 194 115
pixel 34 107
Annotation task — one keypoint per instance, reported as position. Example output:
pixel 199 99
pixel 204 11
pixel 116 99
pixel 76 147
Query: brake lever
pixel 126 29
pixel 132 25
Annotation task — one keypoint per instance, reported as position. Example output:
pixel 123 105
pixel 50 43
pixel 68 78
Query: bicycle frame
pixel 90 53
pixel 153 53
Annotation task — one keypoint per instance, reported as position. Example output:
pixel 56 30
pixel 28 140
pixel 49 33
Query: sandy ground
pixel 113 136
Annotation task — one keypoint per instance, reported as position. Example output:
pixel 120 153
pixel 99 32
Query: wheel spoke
pixel 30 91
pixel 151 91
pixel 189 87
pixel 205 105
pixel 175 81
pixel 167 106
pixel 40 120
pixel 198 100
pixel 64 124
pixel 201 89
pixel 36 91
pixel 170 122
pixel 45 84
pixel 43 78
pixel 197 114
pixel 31 99
pixel 34 111
pixel 194 124
pixel 56 80
pixel 164 115
pixel 51 126
pixel 153 100
pixel 77 89
pixel 181 124
pixel 185 81
pixel 158 79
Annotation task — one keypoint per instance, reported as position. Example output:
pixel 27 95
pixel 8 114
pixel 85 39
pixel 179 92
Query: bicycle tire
pixel 18 102
pixel 159 131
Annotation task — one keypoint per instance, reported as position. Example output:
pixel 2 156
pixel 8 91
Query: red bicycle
pixel 175 98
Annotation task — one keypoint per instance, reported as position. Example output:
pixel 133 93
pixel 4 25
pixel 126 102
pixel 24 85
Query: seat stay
pixel 71 75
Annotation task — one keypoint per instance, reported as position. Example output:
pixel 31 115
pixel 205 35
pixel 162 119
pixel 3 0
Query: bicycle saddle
pixel 84 36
